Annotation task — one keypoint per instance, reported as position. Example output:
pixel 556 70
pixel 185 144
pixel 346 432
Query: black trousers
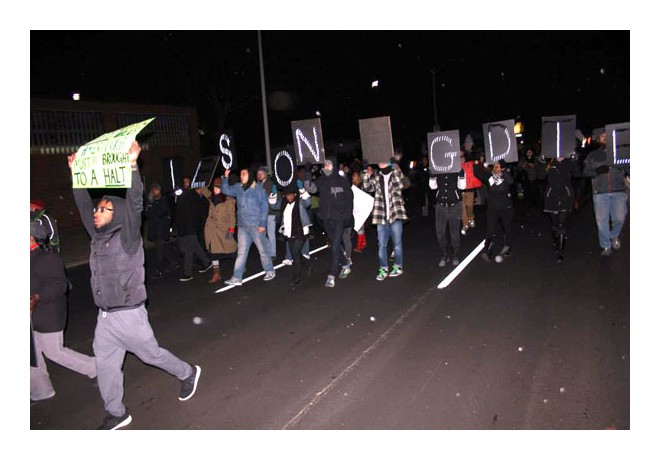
pixel 448 215
pixel 163 256
pixel 296 245
pixel 559 221
pixel 496 216
pixel 334 229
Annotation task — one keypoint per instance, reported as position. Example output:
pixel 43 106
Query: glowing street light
pixel 374 84
pixel 76 96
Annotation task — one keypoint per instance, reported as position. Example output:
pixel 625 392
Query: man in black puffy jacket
pixel 48 307
pixel 116 263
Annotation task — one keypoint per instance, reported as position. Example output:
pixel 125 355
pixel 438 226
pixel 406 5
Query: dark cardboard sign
pixel 558 136
pixel 308 141
pixel 284 168
pixel 617 145
pixel 500 141
pixel 205 171
pixel 444 151
pixel 227 150
pixel 376 139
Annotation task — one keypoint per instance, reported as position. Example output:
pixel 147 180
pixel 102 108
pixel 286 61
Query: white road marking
pixel 455 272
pixel 261 273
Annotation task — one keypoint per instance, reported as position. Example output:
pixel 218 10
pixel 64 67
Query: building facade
pixel 58 128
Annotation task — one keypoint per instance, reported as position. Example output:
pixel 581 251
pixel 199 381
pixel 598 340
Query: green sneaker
pixel 382 274
pixel 396 271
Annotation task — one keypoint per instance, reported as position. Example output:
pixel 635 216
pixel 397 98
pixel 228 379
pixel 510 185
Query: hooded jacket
pixel 116 259
pixel 48 279
pixel 335 195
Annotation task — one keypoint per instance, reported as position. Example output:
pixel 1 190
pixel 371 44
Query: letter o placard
pixel 284 168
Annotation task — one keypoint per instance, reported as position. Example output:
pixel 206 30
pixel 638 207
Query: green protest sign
pixel 104 162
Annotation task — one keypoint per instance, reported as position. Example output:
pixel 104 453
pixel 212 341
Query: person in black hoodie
pixel 499 208
pixel 336 212
pixel 158 217
pixel 116 263
pixel 48 287
pixel 558 198
pixel 189 223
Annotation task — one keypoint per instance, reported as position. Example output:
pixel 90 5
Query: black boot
pixel 561 244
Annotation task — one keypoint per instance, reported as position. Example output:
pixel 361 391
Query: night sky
pixel 480 76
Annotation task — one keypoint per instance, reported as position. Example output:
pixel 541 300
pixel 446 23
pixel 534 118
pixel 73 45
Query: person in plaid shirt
pixel 388 214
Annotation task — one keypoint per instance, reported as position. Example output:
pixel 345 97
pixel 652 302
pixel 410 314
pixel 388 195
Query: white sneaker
pixel 345 271
pixel 330 282
pixel 269 276
pixel 234 282
pixel 616 243
pixel 287 261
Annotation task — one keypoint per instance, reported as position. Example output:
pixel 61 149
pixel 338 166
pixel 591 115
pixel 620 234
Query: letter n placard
pixel 308 141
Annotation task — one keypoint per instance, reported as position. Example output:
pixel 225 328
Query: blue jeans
pixel 610 206
pixel 385 232
pixel 247 236
pixel 272 235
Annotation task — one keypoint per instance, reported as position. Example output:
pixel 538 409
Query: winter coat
pixel 116 259
pixel 499 192
pixel 251 203
pixel 159 219
pixel 188 218
pixel 267 185
pixel 48 279
pixel 613 180
pixel 447 191
pixel 395 188
pixel 471 181
pixel 559 190
pixel 335 197
pixel 303 202
pixel 220 225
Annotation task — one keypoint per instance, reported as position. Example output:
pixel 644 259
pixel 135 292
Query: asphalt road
pixel 526 344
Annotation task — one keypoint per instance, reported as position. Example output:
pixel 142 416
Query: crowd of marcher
pixel 219 223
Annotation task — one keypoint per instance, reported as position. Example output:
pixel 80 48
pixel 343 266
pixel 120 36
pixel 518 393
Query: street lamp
pixel 436 127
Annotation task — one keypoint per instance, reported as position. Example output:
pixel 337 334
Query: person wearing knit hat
pixel 336 212
pixel 220 228
pixel 48 312
pixel 295 224
pixel 38 211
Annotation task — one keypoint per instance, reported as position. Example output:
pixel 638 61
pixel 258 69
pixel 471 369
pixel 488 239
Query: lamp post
pixel 436 127
pixel 263 102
